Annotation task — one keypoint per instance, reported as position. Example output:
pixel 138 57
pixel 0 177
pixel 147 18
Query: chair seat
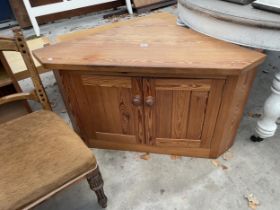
pixel 38 154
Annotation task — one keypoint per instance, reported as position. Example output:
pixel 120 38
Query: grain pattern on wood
pixel 162 142
pixel 107 105
pixel 224 116
pixel 142 47
pixel 142 3
pixel 99 29
pixel 149 72
pixel 126 112
pixel 7 44
pixel 17 97
pixel 180 113
pixel 103 81
pixel 64 93
pixel 235 95
pixel 16 62
pixel 81 120
pixel 185 85
pixel 9 72
pixel 11 81
pixel 163 113
pixel 26 55
pixel 139 100
pixel 213 107
pixel 156 5
pixel 179 109
pixel 198 103
pixel 119 138
pixel 149 111
pixel 174 107
pixel 19 44
pixel 111 113
pixel 242 93
pixel 137 91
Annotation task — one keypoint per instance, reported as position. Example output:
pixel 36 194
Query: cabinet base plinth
pixel 193 152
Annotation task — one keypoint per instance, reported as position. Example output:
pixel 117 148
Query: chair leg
pixel 95 182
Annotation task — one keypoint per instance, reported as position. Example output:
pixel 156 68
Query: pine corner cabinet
pixel 149 85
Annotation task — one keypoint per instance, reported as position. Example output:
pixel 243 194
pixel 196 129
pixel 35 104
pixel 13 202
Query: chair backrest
pixel 18 43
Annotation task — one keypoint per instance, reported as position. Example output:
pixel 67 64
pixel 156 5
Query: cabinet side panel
pixel 71 87
pixel 236 91
pixel 242 94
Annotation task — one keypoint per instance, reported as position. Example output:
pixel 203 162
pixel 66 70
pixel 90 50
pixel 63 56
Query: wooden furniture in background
pixel 20 45
pixel 148 5
pixel 16 63
pixel 61 6
pixel 23 19
pixel 179 93
pixel 13 69
pixel 40 148
pixel 9 85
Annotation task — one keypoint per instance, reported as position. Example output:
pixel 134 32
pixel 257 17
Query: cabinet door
pixel 181 112
pixel 115 108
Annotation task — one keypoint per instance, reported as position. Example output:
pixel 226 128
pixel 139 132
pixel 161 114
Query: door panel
pixel 197 109
pixel 183 84
pixel 163 111
pixel 180 111
pixel 181 101
pixel 114 116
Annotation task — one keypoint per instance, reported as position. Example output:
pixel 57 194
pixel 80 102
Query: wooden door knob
pixel 137 100
pixel 150 101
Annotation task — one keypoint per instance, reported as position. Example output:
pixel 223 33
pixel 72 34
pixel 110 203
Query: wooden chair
pixel 16 62
pixel 39 154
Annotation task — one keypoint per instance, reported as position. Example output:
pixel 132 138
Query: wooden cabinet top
pixel 153 41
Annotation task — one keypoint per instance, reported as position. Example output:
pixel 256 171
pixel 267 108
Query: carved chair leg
pixel 96 184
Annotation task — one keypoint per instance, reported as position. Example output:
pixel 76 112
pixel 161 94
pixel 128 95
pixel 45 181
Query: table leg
pixel 129 7
pixel 267 126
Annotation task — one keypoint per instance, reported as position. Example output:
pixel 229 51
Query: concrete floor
pixel 161 182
